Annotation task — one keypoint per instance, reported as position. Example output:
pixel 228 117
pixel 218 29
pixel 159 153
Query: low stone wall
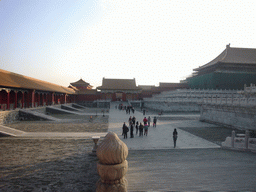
pixel 9 116
pixel 232 116
pixel 135 103
pixel 90 104
pixel 172 106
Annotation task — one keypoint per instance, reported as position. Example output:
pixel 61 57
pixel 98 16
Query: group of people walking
pixel 142 129
pixel 128 108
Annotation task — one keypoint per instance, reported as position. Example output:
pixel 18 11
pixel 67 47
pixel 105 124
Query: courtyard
pixel 35 162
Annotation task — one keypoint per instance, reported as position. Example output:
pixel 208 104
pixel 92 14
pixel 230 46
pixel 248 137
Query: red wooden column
pixel 33 98
pixel 8 99
pixel 43 100
pixel 46 99
pixel 53 102
pixel 16 99
pixel 23 99
pixel 65 98
pixel 38 100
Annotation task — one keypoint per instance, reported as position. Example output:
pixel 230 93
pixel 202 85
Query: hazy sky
pixel 61 41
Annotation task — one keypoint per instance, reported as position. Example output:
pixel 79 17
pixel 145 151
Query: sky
pixel 61 41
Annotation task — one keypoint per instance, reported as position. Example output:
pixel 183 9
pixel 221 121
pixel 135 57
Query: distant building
pixel 119 89
pixel 81 85
pixel 170 87
pixel 233 68
pixel 150 90
pixel 84 91
pixel 146 91
pixel 19 91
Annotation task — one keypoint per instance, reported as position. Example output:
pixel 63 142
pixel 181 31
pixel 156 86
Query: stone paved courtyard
pixel 191 170
pixel 64 164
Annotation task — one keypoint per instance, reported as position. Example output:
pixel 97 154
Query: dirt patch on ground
pixel 47 165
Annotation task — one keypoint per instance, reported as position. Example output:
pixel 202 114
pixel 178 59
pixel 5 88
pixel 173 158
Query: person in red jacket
pixel 145 121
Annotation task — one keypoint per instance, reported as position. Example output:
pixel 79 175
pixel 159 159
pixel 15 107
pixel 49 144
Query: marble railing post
pixel 112 165
pixel 247 136
pixel 233 139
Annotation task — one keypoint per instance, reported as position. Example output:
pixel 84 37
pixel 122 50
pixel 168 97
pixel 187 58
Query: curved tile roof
pixel 80 82
pixel 118 84
pixel 233 55
pixel 13 80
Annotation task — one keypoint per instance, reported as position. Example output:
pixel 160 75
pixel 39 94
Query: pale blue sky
pixel 61 41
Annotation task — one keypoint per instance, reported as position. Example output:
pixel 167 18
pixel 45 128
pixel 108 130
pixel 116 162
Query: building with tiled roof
pixel 119 89
pixel 232 69
pixel 21 91
pixel 81 84
pixel 84 91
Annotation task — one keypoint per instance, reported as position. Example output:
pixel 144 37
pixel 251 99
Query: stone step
pixel 10 131
pixel 37 114
pixel 69 108
pixel 51 109
pixel 78 106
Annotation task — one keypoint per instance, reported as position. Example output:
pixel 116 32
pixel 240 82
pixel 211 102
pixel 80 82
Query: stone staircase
pixel 7 131
pixel 23 113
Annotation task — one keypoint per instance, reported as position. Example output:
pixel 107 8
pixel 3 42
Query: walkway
pixel 161 136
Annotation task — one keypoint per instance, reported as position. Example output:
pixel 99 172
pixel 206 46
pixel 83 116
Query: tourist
pixel 146 129
pixel 154 121
pixel 130 120
pixel 133 110
pixel 131 131
pixel 175 136
pixel 133 120
pixel 145 120
pixel 137 127
pixel 125 130
pixel 149 120
pixel 141 130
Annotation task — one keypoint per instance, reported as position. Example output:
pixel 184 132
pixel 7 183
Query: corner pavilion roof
pixel 80 82
pixel 14 80
pixel 118 84
pixel 233 55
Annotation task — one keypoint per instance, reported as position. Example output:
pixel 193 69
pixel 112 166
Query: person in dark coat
pixel 125 130
pixel 141 130
pixel 133 120
pixel 137 127
pixel 175 136
pixel 131 131
pixel 133 110
pixel 154 122
pixel 149 120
